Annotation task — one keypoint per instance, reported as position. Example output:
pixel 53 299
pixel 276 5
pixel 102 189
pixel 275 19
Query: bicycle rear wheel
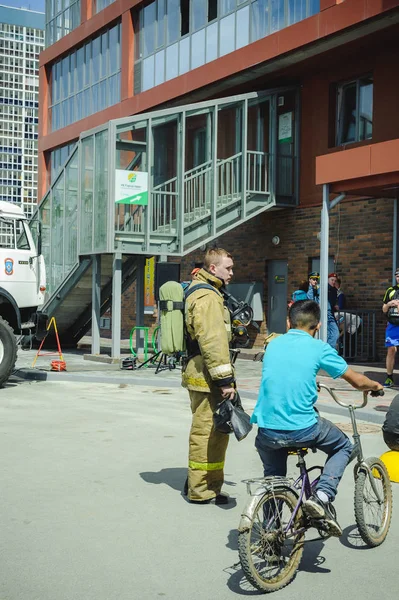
pixel 373 514
pixel 270 550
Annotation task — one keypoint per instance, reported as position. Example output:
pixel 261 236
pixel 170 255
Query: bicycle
pixel 273 525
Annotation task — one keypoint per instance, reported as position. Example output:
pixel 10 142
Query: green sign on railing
pixel 131 187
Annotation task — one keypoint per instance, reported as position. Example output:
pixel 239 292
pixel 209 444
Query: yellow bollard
pixel 391 461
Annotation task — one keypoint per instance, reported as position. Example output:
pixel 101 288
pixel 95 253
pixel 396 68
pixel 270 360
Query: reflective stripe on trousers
pixel 207 448
pixel 205 466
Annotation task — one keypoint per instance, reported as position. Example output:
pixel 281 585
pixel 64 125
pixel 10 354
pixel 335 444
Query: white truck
pixel 22 284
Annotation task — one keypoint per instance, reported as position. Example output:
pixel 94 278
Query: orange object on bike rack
pixel 56 365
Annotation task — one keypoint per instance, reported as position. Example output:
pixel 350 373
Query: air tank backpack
pixel 393 312
pixel 172 299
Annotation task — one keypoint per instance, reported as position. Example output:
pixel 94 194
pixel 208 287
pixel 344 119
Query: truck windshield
pixel 13 234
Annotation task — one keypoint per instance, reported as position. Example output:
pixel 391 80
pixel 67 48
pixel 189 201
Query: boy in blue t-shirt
pixel 285 410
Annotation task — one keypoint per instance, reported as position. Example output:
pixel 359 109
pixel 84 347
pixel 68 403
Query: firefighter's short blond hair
pixel 214 256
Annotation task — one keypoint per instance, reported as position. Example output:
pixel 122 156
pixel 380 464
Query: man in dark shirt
pixel 332 325
pixel 341 298
pixel 390 429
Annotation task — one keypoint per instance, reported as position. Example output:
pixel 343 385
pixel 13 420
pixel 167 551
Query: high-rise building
pixel 21 41
pixel 240 120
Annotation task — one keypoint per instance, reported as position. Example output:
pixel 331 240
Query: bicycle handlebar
pixel 338 401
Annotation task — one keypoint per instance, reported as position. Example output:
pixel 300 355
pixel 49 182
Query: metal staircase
pixel 208 168
pixel 71 304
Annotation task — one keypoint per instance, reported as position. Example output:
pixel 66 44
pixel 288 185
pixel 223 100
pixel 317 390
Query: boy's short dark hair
pixel 304 314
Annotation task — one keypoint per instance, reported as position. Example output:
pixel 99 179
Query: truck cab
pixel 22 281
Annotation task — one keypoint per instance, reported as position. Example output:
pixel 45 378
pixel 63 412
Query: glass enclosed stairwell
pixel 166 182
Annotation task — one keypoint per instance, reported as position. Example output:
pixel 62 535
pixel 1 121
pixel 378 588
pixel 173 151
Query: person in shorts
pixel 392 330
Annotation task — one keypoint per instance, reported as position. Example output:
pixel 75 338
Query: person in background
pixel 390 307
pixel 313 294
pixel 313 287
pixel 332 325
pixel 341 298
pixel 302 292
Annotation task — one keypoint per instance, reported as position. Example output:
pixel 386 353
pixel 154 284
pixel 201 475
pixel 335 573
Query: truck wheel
pixel 8 351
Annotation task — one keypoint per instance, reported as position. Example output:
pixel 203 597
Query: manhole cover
pixel 362 427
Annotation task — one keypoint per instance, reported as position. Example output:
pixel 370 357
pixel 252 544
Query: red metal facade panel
pixel 333 18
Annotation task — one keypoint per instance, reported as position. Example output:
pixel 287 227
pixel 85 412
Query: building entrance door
pixel 277 296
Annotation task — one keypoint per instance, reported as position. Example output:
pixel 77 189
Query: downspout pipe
pixel 324 243
pixel 324 248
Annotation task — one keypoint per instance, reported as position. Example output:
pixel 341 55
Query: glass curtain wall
pixel 101 4
pixel 101 192
pixel 62 16
pixel 58 158
pixel 86 195
pixel 176 36
pixel 94 193
pixel 58 214
pixel 87 80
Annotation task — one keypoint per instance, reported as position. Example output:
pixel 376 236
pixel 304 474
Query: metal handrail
pixel 222 161
pixel 190 171
pixel 168 182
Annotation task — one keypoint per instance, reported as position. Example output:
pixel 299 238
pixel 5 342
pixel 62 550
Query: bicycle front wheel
pixel 373 502
pixel 270 550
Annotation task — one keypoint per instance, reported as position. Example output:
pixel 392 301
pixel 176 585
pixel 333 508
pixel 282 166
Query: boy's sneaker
pixel 388 382
pixel 317 509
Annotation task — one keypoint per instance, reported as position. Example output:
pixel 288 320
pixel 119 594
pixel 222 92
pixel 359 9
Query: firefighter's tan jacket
pixel 208 322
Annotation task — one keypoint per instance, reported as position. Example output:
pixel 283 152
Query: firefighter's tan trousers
pixel 207 448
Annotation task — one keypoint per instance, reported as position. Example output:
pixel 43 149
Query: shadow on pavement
pixel 238 583
pixel 311 563
pixel 351 539
pixel 375 375
pixel 312 560
pixel 174 477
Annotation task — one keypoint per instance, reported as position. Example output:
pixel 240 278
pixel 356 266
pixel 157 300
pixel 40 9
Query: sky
pixel 31 4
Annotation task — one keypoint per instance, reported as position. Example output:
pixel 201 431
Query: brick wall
pixel 360 241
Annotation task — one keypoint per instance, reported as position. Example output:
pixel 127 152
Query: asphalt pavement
pixel 82 367
pixel 93 462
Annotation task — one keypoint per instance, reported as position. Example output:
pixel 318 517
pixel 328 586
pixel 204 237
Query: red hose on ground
pixel 58 365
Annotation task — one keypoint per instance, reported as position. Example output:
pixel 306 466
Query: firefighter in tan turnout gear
pixel 209 376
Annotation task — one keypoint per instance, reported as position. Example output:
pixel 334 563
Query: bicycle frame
pixel 303 486
pixel 357 446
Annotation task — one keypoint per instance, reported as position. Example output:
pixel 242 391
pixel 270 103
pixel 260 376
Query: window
pixel 22 239
pixel 87 80
pixel 7 239
pixel 195 32
pixel 61 18
pixel 101 4
pixel 355 111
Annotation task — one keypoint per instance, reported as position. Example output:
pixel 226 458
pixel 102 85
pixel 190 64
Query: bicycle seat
pixel 301 451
